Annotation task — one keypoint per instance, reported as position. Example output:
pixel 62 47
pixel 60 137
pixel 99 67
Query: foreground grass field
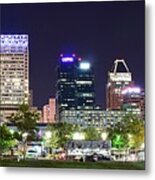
pixel 78 165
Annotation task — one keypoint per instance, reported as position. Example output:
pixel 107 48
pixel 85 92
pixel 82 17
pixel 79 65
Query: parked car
pixel 32 153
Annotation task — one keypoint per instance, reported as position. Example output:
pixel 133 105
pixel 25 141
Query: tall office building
pixel 75 90
pixel 14 73
pixel 119 78
pixel 85 86
pixel 66 85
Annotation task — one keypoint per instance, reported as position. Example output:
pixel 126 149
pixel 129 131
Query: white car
pixel 32 153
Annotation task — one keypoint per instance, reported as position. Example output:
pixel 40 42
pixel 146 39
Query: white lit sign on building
pixel 120 77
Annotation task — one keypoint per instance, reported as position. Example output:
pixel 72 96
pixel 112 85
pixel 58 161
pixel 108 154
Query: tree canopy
pixel 129 133
pixel 25 120
pixel 6 139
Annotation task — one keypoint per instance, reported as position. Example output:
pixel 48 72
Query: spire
pixel 120 63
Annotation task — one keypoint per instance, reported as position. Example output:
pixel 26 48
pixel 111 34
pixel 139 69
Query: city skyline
pixel 121 35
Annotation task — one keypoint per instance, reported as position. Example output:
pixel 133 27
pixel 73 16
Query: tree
pixel 52 140
pixel 136 131
pixel 129 133
pixel 25 121
pixel 91 134
pixel 6 139
pixel 61 133
pixel 118 135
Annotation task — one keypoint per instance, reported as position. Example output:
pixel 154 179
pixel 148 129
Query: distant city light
pixel 130 90
pixel 67 59
pixel 79 59
pixel 84 65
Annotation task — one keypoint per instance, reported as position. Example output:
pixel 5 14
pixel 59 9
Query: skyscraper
pixel 14 73
pixel 66 85
pixel 119 78
pixel 85 86
pixel 75 91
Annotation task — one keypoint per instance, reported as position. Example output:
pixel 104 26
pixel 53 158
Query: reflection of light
pixel 78 136
pixel 67 59
pixel 84 65
pixel 129 90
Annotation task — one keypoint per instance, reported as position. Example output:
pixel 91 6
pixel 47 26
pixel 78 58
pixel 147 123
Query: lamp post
pixel 11 148
pixel 24 139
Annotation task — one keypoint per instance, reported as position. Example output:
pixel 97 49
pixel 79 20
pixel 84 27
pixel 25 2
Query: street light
pixel 104 136
pixel 24 138
pixel 12 131
pixel 78 136
pixel 48 134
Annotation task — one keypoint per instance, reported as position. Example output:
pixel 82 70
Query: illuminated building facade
pixel 117 80
pixel 14 73
pixel 75 86
pixel 45 114
pixel 134 100
pixel 84 118
pixel 97 118
pixel 48 112
pixel 85 86
pixel 66 85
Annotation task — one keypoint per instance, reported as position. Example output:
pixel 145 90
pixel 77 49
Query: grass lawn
pixel 78 165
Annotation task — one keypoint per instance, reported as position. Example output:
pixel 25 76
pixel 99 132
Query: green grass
pixel 78 165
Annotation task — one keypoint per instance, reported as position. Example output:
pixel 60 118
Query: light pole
pixel 24 139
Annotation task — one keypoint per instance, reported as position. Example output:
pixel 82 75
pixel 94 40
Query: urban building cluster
pixel 74 101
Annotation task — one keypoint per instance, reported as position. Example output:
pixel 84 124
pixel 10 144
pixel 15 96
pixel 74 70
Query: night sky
pixel 99 32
